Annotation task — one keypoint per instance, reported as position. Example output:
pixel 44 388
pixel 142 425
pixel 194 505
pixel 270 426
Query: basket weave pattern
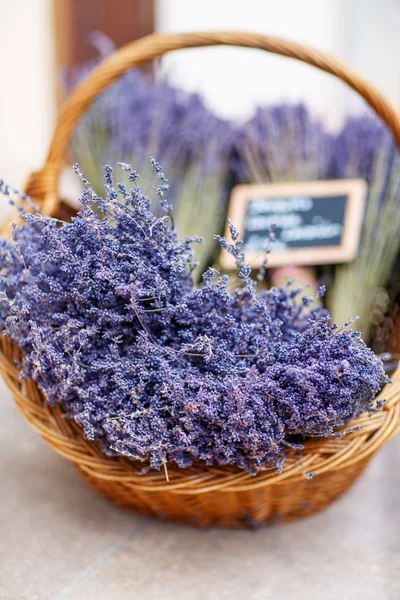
pixel 200 495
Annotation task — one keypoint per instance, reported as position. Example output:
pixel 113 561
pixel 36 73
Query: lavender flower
pixel 113 329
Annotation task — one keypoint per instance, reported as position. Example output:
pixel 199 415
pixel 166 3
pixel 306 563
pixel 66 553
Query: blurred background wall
pixel 27 100
pixel 235 79
pixel 362 32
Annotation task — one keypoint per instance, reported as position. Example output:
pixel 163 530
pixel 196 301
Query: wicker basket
pixel 202 495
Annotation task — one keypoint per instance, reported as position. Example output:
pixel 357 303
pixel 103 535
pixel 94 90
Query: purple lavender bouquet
pixel 157 370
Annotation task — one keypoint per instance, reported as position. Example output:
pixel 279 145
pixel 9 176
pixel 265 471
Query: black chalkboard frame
pixel 354 190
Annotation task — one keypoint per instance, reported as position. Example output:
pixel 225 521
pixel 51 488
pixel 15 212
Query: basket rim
pixel 320 455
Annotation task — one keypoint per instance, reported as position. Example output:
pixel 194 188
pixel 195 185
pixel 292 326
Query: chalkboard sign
pixel 317 222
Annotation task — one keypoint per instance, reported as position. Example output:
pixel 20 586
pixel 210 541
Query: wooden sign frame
pixel 355 191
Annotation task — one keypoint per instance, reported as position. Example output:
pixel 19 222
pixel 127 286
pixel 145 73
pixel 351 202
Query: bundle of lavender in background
pixel 282 143
pixel 112 328
pixel 364 148
pixel 139 116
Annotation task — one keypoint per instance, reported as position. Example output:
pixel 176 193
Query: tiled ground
pixel 58 540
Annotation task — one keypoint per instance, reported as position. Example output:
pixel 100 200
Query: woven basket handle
pixel 42 185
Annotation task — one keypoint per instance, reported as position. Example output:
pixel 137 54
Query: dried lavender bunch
pixel 365 148
pixel 112 328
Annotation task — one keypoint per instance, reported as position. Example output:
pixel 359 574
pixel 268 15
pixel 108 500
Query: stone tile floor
pixel 58 540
